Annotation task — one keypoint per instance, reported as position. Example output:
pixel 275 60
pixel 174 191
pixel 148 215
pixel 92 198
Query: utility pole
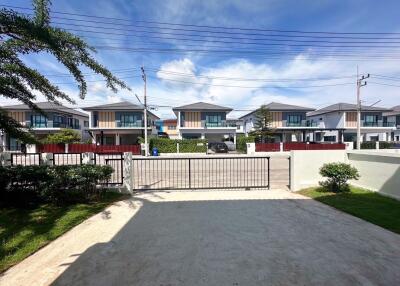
pixel 145 111
pixel 360 83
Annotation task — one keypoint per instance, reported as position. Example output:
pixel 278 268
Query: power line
pixel 209 26
pixel 226 37
pixel 258 87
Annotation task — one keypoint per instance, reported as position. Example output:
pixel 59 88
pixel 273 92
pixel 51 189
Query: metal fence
pixel 201 173
pixel 25 159
pixel 67 159
pixel 116 161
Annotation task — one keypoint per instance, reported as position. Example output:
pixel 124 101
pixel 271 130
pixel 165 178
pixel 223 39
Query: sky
pixel 239 54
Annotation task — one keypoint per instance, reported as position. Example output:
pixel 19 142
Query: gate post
pixel 5 159
pixel 47 158
pixel 87 158
pixel 128 172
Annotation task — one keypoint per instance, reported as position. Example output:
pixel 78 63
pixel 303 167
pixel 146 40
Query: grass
pixel 367 205
pixel 24 231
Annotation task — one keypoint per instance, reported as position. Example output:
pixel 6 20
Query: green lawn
pixel 24 231
pixel 367 205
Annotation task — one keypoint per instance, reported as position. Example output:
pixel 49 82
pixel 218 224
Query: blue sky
pixel 187 76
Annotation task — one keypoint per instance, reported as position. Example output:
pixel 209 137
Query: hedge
pixel 165 145
pixel 372 145
pixel 29 185
pixel 241 142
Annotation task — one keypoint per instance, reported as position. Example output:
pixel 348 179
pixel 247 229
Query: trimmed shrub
pixel 337 175
pixel 241 142
pixel 29 185
pixel 165 145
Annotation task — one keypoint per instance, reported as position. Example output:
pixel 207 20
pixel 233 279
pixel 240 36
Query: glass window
pixel 293 120
pixel 371 120
pixel 171 127
pixel 213 120
pixel 128 120
pixel 86 123
pixel 58 121
pixel 38 120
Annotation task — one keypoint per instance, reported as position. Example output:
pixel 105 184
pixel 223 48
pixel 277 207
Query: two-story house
pixel 289 122
pixel 339 123
pixel 119 123
pixel 56 118
pixel 393 116
pixel 205 121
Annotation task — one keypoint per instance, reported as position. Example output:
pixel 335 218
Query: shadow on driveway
pixel 239 242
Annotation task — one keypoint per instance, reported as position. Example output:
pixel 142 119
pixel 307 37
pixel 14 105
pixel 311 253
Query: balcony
pixel 378 124
pixel 220 124
pixel 138 123
pixel 303 123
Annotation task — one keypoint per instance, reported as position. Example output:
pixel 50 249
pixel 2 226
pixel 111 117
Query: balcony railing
pixel 222 123
pixel 303 123
pixel 378 124
pixel 130 124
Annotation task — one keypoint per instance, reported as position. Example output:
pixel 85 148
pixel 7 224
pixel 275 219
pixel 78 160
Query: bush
pixel 65 136
pixel 241 142
pixel 165 145
pixel 29 185
pixel 338 174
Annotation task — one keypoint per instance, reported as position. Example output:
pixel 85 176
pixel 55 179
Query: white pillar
pixel 203 136
pixel 117 139
pixel 234 139
pixel 47 158
pixel 128 172
pixel 88 158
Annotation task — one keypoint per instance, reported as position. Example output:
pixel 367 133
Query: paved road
pixel 217 238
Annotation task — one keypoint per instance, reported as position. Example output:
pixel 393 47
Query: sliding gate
pixel 201 173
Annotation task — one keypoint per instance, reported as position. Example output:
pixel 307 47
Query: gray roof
pixel 345 107
pixel 276 106
pixel 123 105
pixel 198 106
pixel 394 111
pixel 46 106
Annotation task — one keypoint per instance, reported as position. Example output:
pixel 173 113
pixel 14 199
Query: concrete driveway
pixel 217 238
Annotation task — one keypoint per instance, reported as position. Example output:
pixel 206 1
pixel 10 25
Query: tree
pixel 22 35
pixel 263 122
pixel 65 136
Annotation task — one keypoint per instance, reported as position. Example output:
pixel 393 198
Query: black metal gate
pixel 201 173
pixel 116 161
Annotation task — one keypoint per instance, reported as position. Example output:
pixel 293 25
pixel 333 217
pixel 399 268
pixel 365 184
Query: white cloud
pixel 218 89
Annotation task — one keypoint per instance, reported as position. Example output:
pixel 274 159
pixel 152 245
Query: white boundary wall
pixel 305 165
pixel 379 170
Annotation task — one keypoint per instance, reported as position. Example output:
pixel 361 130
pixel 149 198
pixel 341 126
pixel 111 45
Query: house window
pixel 86 123
pixel 38 120
pixel 128 120
pixel 58 121
pixel 330 138
pixel 293 120
pixel 213 120
pixel 371 120
pixel 76 124
pixel 171 127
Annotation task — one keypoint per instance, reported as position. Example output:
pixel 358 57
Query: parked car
pixel 231 146
pixel 162 135
pixel 218 147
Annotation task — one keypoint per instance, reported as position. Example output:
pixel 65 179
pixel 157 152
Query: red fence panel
pixel 135 149
pixel 81 148
pixel 267 147
pixel 289 146
pixel 51 148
